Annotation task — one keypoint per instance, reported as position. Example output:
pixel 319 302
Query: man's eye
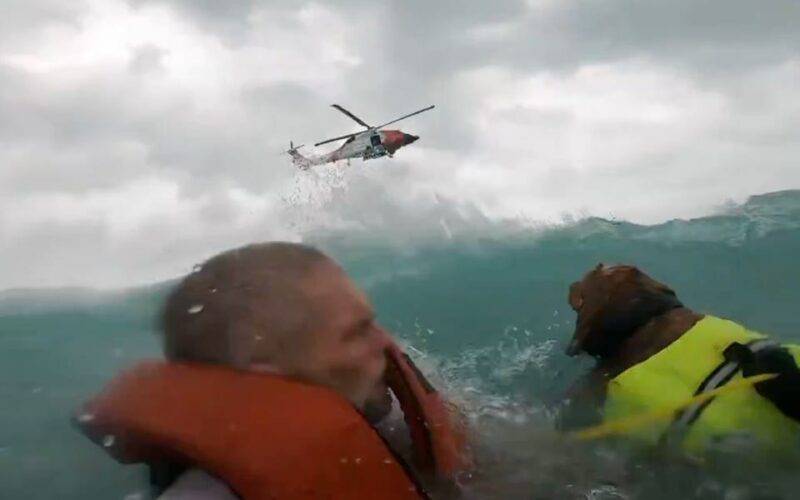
pixel 356 333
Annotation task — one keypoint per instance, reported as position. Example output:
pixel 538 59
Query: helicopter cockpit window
pixel 376 140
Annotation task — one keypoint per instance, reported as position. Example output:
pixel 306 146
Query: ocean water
pixel 486 316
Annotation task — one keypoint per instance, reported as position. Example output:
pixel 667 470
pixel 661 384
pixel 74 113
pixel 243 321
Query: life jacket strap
pixel 735 354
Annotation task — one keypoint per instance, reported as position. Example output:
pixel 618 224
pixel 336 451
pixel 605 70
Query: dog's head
pixel 611 304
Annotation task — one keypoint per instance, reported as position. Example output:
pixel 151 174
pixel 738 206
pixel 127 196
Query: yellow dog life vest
pixel 693 364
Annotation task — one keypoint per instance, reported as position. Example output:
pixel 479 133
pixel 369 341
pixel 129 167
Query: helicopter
pixel 368 145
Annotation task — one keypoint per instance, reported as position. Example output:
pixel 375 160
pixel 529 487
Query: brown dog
pixel 624 317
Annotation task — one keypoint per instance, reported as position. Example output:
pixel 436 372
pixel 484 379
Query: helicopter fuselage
pixel 375 142
pixel 372 144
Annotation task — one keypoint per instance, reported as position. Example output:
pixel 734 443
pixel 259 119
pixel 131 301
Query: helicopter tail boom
pixel 298 159
pixel 304 162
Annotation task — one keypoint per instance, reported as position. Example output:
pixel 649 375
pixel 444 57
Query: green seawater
pixel 486 315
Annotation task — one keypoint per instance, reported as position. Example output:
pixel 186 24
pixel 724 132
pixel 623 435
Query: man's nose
pixel 383 339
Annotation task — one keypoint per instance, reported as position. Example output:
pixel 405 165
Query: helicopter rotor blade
pixel 337 139
pixel 407 116
pixel 292 148
pixel 351 115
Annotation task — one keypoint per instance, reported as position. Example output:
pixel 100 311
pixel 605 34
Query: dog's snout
pixel 574 348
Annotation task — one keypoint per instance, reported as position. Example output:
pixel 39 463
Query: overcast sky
pixel 139 136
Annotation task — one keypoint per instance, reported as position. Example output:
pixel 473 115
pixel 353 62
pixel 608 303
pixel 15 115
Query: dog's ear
pixel 575 296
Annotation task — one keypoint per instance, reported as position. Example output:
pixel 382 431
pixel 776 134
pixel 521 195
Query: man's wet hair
pixel 252 298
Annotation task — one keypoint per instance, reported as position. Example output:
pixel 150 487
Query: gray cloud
pixel 435 38
pixel 423 44
pixel 132 161
pixel 22 19
pixel 229 19
pixel 147 59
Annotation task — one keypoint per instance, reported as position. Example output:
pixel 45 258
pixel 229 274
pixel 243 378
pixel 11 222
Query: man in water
pixel 251 337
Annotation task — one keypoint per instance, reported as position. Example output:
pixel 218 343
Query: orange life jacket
pixel 271 438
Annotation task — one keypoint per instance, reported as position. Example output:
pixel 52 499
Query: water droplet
pixel 108 441
pixel 37 390
pixel 197 268
pixel 85 417
pixel 118 353
pixel 259 338
pixel 343 460
pixel 387 461
pixel 195 309
pixel 135 496
pixel 358 460
pixel 213 290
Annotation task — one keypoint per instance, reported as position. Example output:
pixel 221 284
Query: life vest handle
pixel 439 444
pixel 624 425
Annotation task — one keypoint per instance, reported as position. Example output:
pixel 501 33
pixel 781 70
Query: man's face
pixel 345 348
